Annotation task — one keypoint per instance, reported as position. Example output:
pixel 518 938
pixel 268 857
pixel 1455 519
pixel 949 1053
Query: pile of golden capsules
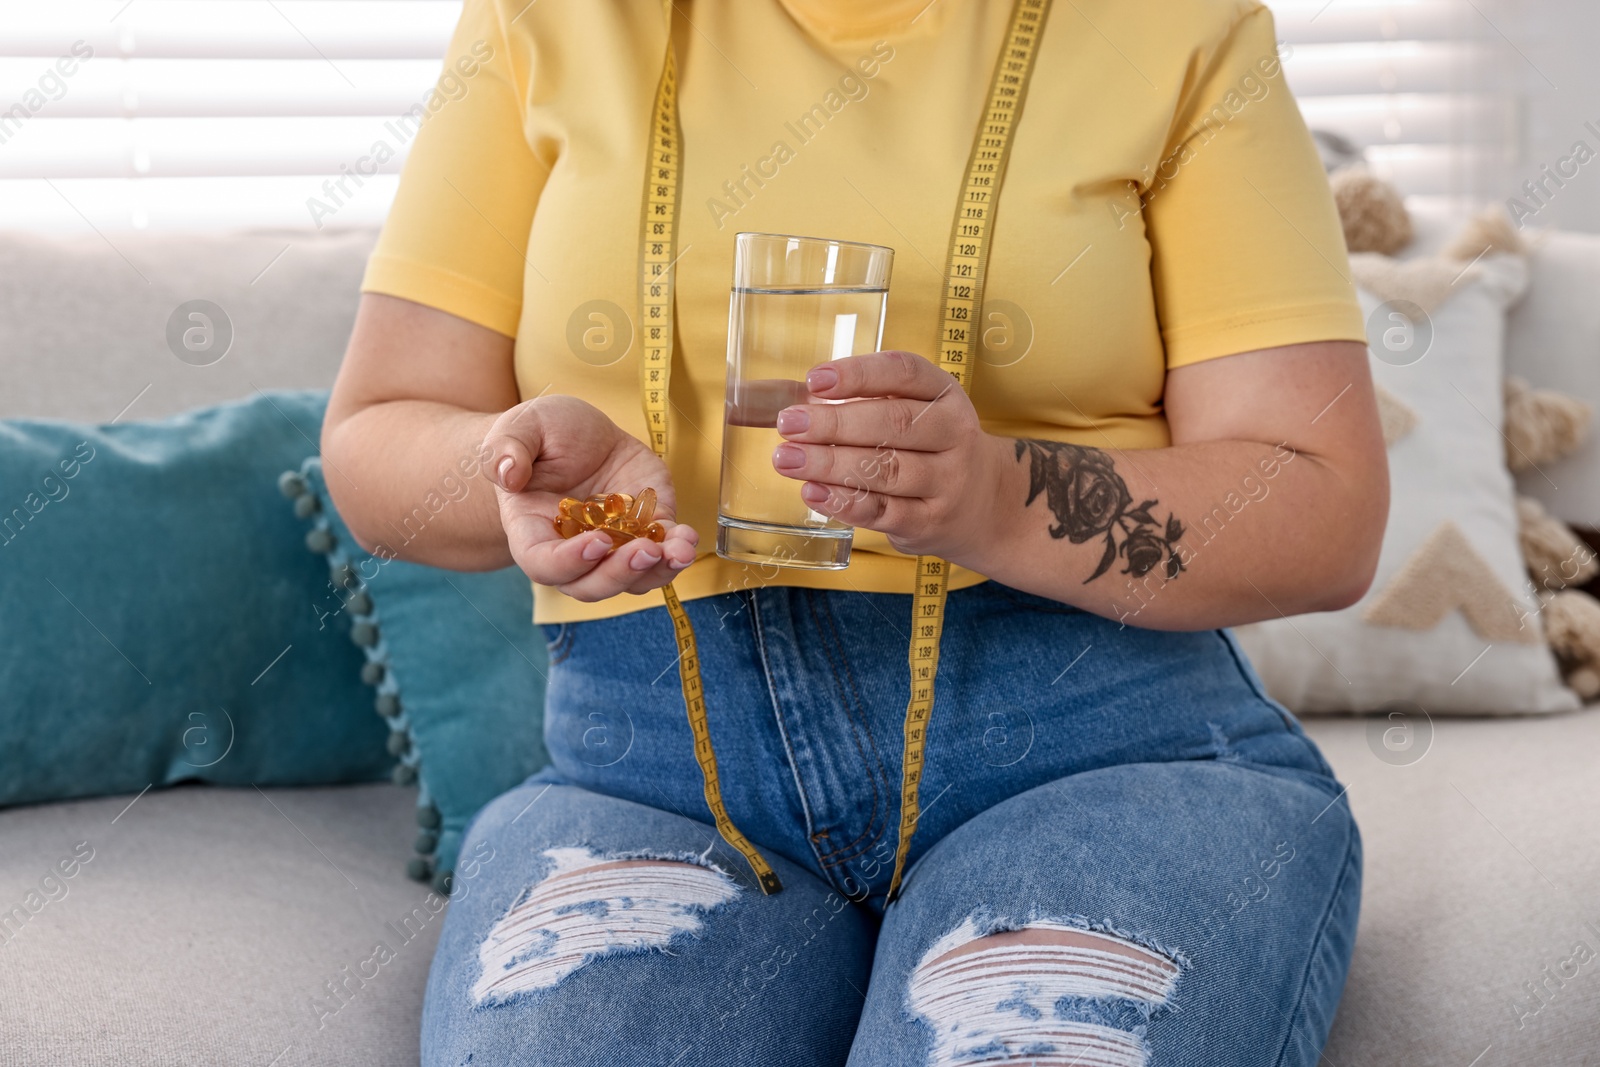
pixel 620 516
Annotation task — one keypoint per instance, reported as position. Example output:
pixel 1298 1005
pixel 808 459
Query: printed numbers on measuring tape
pixel 658 240
pixel 656 254
pixel 965 270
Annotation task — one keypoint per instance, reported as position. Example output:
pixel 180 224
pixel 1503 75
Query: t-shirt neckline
pixel 844 20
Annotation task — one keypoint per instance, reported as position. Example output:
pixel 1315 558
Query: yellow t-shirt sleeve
pixel 456 237
pixel 1247 250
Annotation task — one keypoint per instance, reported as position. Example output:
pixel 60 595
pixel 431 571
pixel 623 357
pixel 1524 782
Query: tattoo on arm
pixel 1090 500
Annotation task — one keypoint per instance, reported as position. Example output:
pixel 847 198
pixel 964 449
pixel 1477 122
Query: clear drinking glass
pixel 797 302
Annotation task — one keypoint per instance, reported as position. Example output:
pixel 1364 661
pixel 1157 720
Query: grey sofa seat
pixel 216 926
pixel 210 922
pixel 1482 870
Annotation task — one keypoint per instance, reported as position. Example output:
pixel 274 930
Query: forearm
pixel 1226 526
pixel 1194 536
pixel 410 480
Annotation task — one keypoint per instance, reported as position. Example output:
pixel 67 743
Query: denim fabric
pixel 1080 775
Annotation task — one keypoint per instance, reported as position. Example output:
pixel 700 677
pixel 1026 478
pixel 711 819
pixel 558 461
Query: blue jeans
pixel 1128 853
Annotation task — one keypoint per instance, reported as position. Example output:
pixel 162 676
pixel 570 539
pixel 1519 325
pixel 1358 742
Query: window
pixel 183 114
pixel 1424 86
pixel 186 114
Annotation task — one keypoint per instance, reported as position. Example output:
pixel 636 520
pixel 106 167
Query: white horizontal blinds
pixel 178 114
pixel 200 113
pixel 1425 87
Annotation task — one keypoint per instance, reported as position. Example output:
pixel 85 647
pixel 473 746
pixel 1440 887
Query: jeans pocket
pixel 558 640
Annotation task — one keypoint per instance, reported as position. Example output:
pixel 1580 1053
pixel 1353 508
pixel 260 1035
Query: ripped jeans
pixel 1127 854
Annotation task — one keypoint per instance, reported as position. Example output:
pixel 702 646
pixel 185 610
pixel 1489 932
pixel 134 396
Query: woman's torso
pixel 1162 205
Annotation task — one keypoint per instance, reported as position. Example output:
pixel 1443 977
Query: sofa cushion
pixel 1478 928
pixel 215 926
pixel 458 671
pixel 158 598
pixel 207 924
pixel 1553 341
pixel 85 320
pixel 1450 602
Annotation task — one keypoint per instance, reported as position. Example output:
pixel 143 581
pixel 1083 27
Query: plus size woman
pixel 1127 853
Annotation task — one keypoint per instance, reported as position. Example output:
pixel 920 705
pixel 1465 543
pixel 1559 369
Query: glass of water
pixel 797 302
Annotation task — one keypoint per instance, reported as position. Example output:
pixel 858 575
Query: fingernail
pixel 788 457
pixel 794 420
pixel 812 493
pixel 643 561
pixel 504 469
pixel 597 548
pixel 821 379
pixel 676 565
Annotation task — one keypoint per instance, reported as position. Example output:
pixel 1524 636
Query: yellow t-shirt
pixel 1164 205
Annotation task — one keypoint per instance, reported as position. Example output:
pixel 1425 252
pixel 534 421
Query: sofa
pixel 222 926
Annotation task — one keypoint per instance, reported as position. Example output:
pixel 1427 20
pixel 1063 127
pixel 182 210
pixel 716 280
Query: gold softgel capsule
pixel 621 516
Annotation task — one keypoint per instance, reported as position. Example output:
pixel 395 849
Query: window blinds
pixel 180 114
pixel 1426 87
pixel 184 114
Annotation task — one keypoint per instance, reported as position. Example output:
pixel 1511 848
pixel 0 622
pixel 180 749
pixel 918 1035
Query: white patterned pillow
pixel 1450 622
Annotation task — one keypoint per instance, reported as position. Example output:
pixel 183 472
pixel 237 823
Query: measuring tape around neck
pixel 970 238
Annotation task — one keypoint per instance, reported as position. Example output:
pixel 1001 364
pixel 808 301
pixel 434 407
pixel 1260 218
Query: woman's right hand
pixel 557 446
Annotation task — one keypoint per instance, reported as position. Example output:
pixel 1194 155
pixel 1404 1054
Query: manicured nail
pixel 788 457
pixel 504 469
pixel 812 493
pixel 643 561
pixel 794 420
pixel 821 379
pixel 597 548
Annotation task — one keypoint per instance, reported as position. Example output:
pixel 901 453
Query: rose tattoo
pixel 1089 499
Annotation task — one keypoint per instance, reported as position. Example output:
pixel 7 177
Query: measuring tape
pixel 964 274
pixel 659 236
pixel 965 271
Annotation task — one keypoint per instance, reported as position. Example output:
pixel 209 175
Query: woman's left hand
pixel 906 456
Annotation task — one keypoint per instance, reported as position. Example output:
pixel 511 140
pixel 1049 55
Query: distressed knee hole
pixel 590 906
pixel 1043 994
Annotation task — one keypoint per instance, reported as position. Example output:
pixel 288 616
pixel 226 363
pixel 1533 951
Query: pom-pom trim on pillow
pixel 366 631
pixel 1572 622
pixel 1372 211
pixel 1557 558
pixel 1542 425
pixel 1488 231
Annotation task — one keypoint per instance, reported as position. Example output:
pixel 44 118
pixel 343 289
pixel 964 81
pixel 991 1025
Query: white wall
pixel 1559 42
